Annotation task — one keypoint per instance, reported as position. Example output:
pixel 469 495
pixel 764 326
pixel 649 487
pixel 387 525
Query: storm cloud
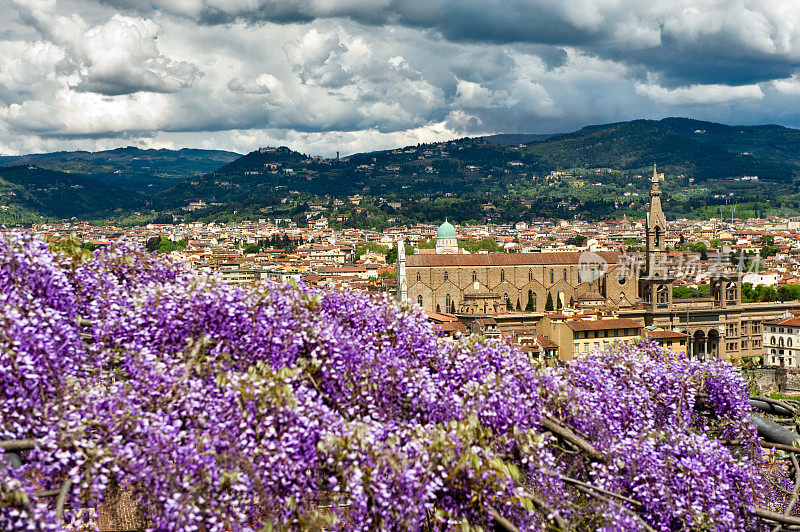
pixel 352 75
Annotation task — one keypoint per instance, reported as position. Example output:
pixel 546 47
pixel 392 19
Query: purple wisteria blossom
pixel 223 408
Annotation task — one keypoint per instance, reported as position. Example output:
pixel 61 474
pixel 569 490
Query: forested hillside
pixel 598 171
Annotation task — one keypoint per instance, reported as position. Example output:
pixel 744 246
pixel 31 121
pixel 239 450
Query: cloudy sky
pixel 354 75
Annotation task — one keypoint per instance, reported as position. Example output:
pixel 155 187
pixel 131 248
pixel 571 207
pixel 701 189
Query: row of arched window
pixel 780 342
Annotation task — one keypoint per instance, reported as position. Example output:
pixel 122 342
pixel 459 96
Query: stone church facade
pixel 450 283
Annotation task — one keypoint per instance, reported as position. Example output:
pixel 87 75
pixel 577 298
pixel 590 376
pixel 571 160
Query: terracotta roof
pixel 601 325
pixel 505 259
pixel 545 341
pixel 664 335
pixel 440 317
pixel 789 322
pixel 591 296
pixel 451 326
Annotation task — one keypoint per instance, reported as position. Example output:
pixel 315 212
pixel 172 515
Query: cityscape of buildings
pixel 554 288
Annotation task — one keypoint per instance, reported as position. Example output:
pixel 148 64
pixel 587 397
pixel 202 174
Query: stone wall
pixel 776 380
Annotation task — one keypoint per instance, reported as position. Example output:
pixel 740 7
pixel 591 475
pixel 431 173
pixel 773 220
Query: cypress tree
pixel 529 306
pixel 549 305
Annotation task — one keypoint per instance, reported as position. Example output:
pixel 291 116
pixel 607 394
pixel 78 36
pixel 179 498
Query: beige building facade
pixel 450 282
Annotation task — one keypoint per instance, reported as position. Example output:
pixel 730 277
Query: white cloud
pixel 700 94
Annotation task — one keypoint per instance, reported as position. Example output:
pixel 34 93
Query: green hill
pixel 130 167
pixel 702 150
pixel 602 172
pixel 27 192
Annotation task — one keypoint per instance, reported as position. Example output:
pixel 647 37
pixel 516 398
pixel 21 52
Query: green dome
pixel 446 230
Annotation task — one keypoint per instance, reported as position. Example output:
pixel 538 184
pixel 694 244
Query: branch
pixel 589 490
pixel 502 523
pixel 565 433
pixel 782 404
pixel 776 517
pixel 62 499
pixel 17 445
pixel 796 490
pixel 551 512
pixel 780 447
pixel 578 483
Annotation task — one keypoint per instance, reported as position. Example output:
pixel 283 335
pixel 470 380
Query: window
pixel 731 329
pixel 565 274
pixel 744 344
pixel 447 302
pixel 657 239
pixel 530 275
pixel 446 275
pixel 756 327
pixel 552 276
pixel 502 276
pixel 419 277
pixel 533 301
pixel 772 340
pixel 474 276
pixel 661 292
pixel 788 342
pixel 780 342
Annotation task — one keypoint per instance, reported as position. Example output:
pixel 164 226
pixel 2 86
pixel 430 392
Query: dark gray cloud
pixel 361 74
pixel 728 41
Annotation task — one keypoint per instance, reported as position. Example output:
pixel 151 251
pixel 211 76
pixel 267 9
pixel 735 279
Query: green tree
pixel 577 240
pixel 549 305
pixel 529 304
pixel 250 249
pixel 152 243
pixel 519 307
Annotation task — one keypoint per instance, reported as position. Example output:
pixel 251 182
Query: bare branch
pixel 17 445
pixel 590 490
pixel 783 404
pixel 566 434
pixel 62 498
pixel 776 517
pixel 780 447
pixel 578 483
pixel 502 523
pixel 796 490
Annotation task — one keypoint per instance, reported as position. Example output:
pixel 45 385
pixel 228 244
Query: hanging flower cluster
pixel 222 408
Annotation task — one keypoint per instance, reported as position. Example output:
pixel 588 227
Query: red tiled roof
pixel 505 259
pixel 789 322
pixel 665 335
pixel 601 325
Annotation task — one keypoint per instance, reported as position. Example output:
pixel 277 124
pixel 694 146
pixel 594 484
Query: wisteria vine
pixel 216 407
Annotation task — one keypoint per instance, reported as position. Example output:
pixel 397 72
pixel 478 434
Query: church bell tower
pixel 655 286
